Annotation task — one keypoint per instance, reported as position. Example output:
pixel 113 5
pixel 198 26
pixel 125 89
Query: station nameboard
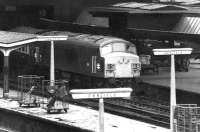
pixel 100 93
pixel 172 51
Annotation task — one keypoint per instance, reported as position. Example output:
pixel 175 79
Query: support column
pixel 6 54
pixel 101 115
pixel 52 64
pixel 172 92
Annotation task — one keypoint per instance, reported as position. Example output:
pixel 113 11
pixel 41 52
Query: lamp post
pixel 52 63
pixel 172 52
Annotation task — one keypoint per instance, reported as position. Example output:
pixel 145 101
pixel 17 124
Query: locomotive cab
pixel 121 60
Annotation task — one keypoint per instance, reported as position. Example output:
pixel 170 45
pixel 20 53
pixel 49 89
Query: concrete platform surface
pixel 187 81
pixel 84 118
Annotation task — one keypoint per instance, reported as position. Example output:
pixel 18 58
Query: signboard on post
pixel 101 94
pixel 172 52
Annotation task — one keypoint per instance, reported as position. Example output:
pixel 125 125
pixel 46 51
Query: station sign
pixel 100 93
pixel 52 38
pixel 172 51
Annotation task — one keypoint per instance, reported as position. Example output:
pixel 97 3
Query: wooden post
pixel 101 115
pixel 52 64
pixel 172 92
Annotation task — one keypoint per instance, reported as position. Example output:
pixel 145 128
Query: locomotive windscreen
pixel 118 47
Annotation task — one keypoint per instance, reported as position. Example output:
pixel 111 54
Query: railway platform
pixel 78 119
pixel 185 81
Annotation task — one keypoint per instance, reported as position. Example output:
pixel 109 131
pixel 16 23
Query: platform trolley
pixel 57 92
pixel 29 90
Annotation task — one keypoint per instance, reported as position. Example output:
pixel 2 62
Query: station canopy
pixel 14 39
pixel 147 8
pixel 10 39
pixel 159 20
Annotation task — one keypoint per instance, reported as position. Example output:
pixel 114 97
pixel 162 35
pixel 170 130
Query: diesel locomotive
pixel 93 61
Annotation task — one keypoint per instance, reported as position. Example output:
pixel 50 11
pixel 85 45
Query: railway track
pixel 143 110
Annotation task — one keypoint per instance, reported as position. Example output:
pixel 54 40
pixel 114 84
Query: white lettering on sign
pixel 172 51
pixel 101 93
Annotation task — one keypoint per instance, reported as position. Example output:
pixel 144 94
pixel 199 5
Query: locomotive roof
pixel 23 29
pixel 85 39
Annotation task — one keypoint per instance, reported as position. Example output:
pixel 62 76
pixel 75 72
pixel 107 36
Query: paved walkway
pixel 84 118
pixel 187 81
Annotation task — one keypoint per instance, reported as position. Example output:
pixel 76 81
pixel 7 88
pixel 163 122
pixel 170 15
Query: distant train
pixel 93 61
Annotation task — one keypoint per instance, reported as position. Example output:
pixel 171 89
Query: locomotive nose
pixel 123 60
pixel 122 66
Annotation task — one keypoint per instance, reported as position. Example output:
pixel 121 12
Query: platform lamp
pixel 172 52
pixel 52 39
